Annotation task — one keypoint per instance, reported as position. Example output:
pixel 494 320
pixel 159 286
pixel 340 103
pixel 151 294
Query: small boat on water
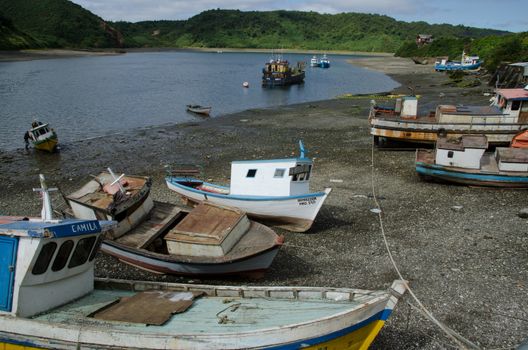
pixel 499 122
pixel 467 62
pixel 50 300
pixel 464 161
pixel 199 109
pixel 164 238
pixel 276 191
pixel 324 62
pixel 42 137
pixel 314 62
pixel 277 72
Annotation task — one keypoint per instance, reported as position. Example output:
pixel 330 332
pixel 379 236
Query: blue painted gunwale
pixel 431 170
pixel 381 316
pixel 62 228
pixel 175 181
pixel 457 66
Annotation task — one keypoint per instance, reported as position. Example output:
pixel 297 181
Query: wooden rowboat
pixel 199 109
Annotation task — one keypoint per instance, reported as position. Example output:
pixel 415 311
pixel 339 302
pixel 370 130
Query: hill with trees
pixel 57 24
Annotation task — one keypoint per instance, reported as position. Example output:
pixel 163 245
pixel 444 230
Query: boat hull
pixel 294 213
pixel 353 328
pixel 48 145
pixel 428 132
pixel 283 81
pixel 456 66
pixel 425 167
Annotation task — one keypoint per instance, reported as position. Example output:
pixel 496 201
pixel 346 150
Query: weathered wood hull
pixel 271 81
pixel 294 213
pixel 474 177
pixel 423 130
pixel 260 317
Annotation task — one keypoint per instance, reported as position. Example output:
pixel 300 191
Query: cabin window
pixel 279 172
pixel 251 173
pixel 300 172
pixel 82 251
pixel 96 248
pixel 62 256
pixel 450 154
pixel 516 105
pixel 44 258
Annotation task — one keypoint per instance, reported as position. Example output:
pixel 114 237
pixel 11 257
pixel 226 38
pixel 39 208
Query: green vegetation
pixel 57 23
pixel 13 39
pixel 287 29
pixel 492 49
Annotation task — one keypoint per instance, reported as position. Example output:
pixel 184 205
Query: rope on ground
pixel 461 341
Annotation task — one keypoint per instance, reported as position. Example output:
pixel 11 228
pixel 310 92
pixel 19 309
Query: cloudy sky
pixel 498 14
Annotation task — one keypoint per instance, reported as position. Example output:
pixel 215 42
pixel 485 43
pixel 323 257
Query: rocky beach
pixel 464 250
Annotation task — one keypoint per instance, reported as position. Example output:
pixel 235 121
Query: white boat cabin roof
pixel 518 94
pixel 470 110
pixel 461 143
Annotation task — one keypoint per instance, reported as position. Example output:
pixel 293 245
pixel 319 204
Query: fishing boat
pixel 42 137
pixel 49 299
pixel 199 109
pixel 467 62
pixel 324 62
pixel 125 199
pixel 275 191
pixel 464 161
pixel 277 72
pixel 499 122
pixel 208 241
pixel 314 62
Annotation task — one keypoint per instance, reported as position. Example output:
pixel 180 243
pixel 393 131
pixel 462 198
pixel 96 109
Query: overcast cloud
pixel 504 14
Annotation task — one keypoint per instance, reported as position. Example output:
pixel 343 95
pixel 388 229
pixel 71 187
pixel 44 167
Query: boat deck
pixel 239 314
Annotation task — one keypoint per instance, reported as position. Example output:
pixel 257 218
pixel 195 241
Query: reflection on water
pixel 93 96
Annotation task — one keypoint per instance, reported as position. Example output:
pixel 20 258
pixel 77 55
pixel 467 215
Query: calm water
pixel 94 96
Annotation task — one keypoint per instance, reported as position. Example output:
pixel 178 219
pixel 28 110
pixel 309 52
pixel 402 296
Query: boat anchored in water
pixel 314 62
pixel 467 62
pixel 324 62
pixel 276 191
pixel 277 72
pixel 499 122
pixel 42 137
pixel 50 301
pixel 464 161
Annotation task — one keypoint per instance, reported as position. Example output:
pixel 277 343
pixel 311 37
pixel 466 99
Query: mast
pixel 47 212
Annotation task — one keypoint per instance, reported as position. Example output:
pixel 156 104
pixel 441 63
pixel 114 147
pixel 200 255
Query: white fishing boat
pixel 125 199
pixel 314 62
pixel 199 109
pixel 276 191
pixel 499 122
pixel 49 300
pixel 42 137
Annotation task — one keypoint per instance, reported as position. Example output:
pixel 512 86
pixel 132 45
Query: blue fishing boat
pixel 49 299
pixel 464 161
pixel 466 63
pixel 324 62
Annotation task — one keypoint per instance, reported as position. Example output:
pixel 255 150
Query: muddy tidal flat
pixel 463 250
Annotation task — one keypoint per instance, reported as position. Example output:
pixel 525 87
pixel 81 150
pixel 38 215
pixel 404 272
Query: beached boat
pixel 499 122
pixel 42 137
pixel 466 63
pixel 275 191
pixel 210 240
pixel 199 109
pixel 277 72
pixel 125 199
pixel 464 161
pixel 48 300
pixel 324 62
pixel 314 62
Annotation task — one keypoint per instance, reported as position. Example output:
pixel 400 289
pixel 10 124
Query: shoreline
pixel 466 264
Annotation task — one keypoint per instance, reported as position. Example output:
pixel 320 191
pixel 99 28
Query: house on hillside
pixel 424 39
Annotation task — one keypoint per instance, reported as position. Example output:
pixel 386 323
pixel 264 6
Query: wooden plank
pixel 148 307
pixel 160 219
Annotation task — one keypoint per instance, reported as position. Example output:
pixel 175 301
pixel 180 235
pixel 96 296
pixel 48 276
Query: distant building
pixel 424 39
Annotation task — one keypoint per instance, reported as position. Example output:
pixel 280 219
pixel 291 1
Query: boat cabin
pixel 276 177
pixel 513 102
pixel 45 262
pixel 464 152
pixel 512 159
pixel 40 132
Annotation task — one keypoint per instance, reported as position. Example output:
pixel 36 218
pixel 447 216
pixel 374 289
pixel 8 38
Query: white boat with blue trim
pixel 276 191
pixel 50 300
pixel 467 63
pixel 464 161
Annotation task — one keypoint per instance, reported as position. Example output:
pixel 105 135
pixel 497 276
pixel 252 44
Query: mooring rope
pixel 457 338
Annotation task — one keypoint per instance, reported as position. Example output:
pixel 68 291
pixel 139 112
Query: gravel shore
pixel 464 250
